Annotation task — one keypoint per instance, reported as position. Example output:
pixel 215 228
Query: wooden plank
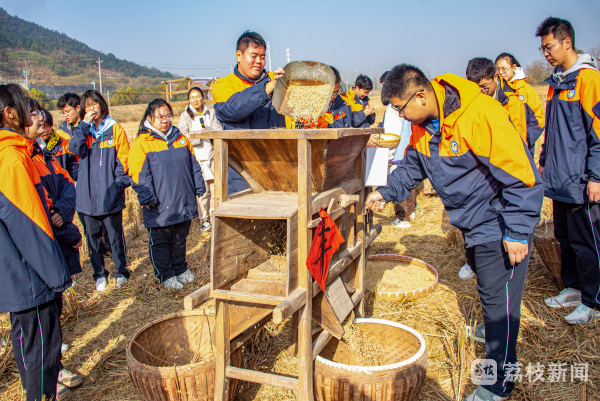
pixel 221 166
pixel 334 216
pixel 238 246
pixel 291 304
pixel 240 339
pixel 258 299
pixel 320 343
pixel 255 186
pixel 223 357
pixel 197 297
pixel 262 378
pixel 305 361
pixel 291 252
pixel 321 200
pixel 268 270
pixel 338 298
pixel 243 316
pixel 297 134
pixel 362 229
pixel 324 316
pixel 346 200
pixel 264 205
pixel 340 158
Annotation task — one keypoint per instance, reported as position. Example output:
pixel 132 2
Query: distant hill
pixel 54 58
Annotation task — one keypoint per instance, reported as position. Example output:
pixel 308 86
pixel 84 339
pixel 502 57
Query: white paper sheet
pixel 377 167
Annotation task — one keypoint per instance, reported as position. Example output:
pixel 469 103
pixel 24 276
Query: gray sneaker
pixel 62 392
pixel 567 297
pixel 121 281
pixel 186 277
pixel 173 284
pixel 101 284
pixel 481 394
pixel 69 379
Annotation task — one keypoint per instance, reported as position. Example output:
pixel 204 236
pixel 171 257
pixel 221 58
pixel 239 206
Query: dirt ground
pixel 98 325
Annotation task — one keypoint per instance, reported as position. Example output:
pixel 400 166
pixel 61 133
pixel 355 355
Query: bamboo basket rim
pixel 133 362
pixel 373 369
pixel 388 139
pixel 410 295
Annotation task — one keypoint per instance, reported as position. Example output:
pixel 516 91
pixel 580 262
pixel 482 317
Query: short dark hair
pixel 33 104
pixel 509 57
pixel 48 119
pixel 248 39
pixel 401 82
pixel 560 28
pixel 364 82
pixel 68 99
pixel 152 107
pixel 15 97
pixel 336 73
pixel 382 77
pixel 94 96
pixel 480 68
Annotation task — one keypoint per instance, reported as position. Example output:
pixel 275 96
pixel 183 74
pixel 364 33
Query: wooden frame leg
pixel 223 352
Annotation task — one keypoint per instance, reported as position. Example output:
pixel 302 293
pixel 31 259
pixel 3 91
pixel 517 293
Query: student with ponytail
pixel 33 268
pixel 167 179
pixel 102 147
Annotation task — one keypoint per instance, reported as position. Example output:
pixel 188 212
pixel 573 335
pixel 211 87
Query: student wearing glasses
pixel 33 269
pixel 464 142
pixel 570 167
pixel 199 117
pixel 513 80
pixel 167 179
pixel 102 147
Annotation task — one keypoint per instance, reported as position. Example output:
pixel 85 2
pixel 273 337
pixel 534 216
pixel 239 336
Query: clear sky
pixel 193 38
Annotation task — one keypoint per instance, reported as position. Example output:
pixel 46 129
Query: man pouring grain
pixel 243 98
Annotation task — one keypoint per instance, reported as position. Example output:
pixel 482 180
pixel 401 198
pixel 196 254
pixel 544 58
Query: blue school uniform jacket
pixel 102 176
pixel 32 268
pixel 165 174
pixel 477 163
pixel 571 150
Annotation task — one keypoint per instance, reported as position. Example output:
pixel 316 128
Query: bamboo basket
pixel 549 249
pixel 337 378
pixel 159 356
pixel 410 295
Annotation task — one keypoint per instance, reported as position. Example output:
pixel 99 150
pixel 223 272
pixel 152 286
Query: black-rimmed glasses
pixel 401 111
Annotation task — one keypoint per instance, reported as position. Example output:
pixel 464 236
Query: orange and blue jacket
pixel 102 176
pixel 571 150
pixel 339 115
pixel 32 268
pixel 65 131
pixel 244 104
pixel 476 161
pixel 358 105
pixel 516 111
pixel 65 158
pixel 534 108
pixel 60 198
pixel 166 176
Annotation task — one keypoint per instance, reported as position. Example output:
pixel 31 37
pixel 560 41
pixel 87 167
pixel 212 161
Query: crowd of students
pixel 476 150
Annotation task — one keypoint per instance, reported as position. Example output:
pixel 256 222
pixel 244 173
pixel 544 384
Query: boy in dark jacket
pixel 572 178
pixel 357 98
pixel 464 142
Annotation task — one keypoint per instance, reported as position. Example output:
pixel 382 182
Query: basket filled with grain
pixel 304 91
pixel 549 249
pixel 399 278
pixel 173 358
pixel 389 141
pixel 375 360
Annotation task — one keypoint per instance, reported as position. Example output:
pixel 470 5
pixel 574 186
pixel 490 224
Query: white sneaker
pixel 401 224
pixel 412 216
pixel 64 348
pixel 62 392
pixel 186 277
pixel 101 284
pixel 466 272
pixel 173 284
pixel 582 314
pixel 121 281
pixel 69 379
pixel 567 297
pixel 481 394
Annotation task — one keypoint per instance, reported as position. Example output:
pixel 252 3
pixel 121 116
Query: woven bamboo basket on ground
pixel 549 249
pixel 410 295
pixel 337 378
pixel 390 141
pixel 173 358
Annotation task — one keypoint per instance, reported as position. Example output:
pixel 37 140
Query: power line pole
pixel 287 54
pixel 26 74
pixel 100 73
pixel 94 83
pixel 269 53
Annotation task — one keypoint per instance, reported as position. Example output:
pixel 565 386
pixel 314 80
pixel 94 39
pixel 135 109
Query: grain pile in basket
pixel 306 98
pixel 365 350
pixel 397 276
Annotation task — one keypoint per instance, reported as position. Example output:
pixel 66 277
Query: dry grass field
pixel 98 325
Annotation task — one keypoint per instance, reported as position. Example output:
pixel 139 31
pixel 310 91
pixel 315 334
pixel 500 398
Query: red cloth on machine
pixel 326 241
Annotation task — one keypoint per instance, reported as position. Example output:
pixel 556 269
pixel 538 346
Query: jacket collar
pixel 9 137
pixel 175 134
